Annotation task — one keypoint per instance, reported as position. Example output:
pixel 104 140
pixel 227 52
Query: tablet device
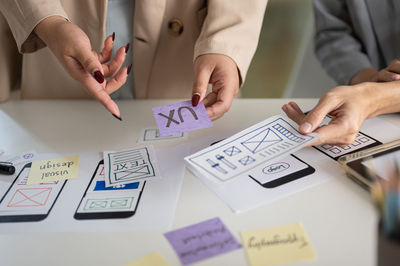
pixel 357 165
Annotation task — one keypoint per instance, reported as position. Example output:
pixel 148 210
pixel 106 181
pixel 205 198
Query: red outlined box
pixel 30 197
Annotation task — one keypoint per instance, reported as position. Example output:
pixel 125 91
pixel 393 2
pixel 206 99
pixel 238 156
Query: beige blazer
pixel 168 36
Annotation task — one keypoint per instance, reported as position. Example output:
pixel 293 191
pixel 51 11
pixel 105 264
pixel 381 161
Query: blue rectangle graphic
pixel 101 185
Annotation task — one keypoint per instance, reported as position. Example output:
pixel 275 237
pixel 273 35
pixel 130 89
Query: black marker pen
pixel 6 168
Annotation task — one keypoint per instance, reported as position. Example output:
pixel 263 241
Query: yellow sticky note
pixel 277 245
pixel 153 259
pixel 53 170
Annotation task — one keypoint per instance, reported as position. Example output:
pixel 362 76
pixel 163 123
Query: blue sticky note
pixel 101 185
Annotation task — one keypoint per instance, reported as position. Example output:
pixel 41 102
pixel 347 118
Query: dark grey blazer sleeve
pixel 336 46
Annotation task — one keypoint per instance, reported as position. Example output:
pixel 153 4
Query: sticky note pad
pixel 51 170
pixel 277 245
pixel 180 117
pixel 201 241
pixel 153 259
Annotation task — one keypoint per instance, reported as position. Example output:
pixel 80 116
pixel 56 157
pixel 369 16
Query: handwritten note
pixel 150 260
pixel 201 241
pixel 51 170
pixel 277 245
pixel 180 117
pixel 128 166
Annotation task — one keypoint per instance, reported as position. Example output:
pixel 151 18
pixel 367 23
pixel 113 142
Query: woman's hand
pixel 221 71
pixel 72 48
pixel 348 105
pixel 387 74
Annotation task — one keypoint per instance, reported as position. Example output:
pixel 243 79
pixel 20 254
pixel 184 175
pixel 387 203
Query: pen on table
pixel 6 168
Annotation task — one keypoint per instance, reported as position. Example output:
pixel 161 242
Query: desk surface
pixel 337 215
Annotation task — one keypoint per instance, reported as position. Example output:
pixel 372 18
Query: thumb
pixel 202 75
pixel 91 64
pixel 315 117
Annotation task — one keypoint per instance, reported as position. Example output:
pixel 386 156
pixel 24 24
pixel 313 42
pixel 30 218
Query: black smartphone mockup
pixel 280 172
pixel 101 202
pixel 28 203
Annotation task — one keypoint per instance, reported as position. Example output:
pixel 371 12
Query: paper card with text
pixel 202 240
pixel 153 135
pixel 152 259
pixel 277 245
pixel 51 170
pixel 181 117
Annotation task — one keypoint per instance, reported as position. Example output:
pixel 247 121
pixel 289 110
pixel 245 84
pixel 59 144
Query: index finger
pixel 99 93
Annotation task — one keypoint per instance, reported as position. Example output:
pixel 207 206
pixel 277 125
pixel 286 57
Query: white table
pixel 337 215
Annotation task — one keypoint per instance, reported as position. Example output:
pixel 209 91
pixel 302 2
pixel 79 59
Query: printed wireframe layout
pixel 127 166
pixel 362 141
pixel 265 141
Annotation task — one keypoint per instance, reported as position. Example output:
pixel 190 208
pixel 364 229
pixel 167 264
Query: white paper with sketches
pixel 270 139
pixel 128 166
pixel 153 135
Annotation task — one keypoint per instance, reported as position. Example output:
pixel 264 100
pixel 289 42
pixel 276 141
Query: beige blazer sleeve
pixel 24 15
pixel 232 28
pixel 10 63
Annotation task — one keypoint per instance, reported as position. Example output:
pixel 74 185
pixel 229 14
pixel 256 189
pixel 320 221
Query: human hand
pixel 390 73
pixel 72 48
pixel 221 71
pixel 348 105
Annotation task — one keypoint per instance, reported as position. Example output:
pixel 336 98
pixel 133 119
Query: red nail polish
pixel 127 48
pixel 117 117
pixel 195 99
pixel 129 69
pixel 98 76
pixel 113 36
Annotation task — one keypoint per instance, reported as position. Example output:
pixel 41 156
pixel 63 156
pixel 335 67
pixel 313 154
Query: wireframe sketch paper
pixel 268 182
pixel 128 166
pixel 153 135
pixel 155 210
pixel 270 139
pixel 202 240
pixel 181 117
pixel 277 245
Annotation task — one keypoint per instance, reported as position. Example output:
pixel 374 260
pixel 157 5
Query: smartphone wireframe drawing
pixel 101 202
pixel 362 141
pixel 277 173
pixel 28 203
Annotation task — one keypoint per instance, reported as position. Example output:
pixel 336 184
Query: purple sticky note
pixel 180 117
pixel 201 241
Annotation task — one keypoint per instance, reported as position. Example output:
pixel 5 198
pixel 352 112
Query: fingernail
pixel 284 108
pixel 127 48
pixel 98 76
pixel 113 36
pixel 129 69
pixel 195 99
pixel 117 117
pixel 396 77
pixel 306 127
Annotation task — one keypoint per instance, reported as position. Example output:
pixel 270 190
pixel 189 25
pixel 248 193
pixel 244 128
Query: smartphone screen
pixel 361 142
pixel 279 172
pixel 101 202
pixel 28 203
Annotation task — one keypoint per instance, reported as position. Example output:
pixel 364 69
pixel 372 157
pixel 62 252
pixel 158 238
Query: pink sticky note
pixel 180 117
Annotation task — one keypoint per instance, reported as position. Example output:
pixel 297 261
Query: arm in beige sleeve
pixel 24 15
pixel 232 28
